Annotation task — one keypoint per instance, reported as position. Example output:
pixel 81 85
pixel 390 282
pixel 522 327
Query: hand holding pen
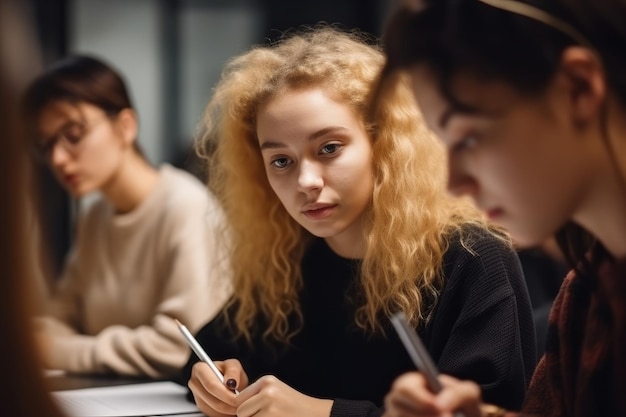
pixel 428 393
pixel 204 357
pixel 218 393
pixel 266 397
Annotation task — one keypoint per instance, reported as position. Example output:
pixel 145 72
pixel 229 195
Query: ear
pixel 586 83
pixel 126 122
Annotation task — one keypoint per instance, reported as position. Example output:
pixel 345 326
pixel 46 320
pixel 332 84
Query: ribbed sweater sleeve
pixel 127 281
pixel 351 408
pixel 483 328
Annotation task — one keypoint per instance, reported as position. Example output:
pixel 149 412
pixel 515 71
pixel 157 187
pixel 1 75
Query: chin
pixel 323 233
pixel 78 192
pixel 320 234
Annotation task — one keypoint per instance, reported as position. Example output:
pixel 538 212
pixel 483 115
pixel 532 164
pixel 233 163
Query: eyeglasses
pixel 71 135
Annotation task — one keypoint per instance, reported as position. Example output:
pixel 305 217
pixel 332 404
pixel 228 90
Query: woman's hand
pixel 270 397
pixel 212 397
pixel 410 397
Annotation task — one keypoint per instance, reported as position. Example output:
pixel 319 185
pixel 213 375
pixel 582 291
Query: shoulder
pixel 478 244
pixel 185 200
pixel 479 259
pixel 94 216
pixel 180 190
pixel 92 209
pixel 181 184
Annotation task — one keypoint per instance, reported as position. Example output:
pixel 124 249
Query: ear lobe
pixel 127 123
pixel 586 81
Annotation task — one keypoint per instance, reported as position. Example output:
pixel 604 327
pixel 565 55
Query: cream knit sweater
pixel 129 276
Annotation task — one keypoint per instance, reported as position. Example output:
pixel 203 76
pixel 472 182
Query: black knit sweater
pixel 481 329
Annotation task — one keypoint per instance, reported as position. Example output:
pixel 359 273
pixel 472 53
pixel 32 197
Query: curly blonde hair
pixel 412 216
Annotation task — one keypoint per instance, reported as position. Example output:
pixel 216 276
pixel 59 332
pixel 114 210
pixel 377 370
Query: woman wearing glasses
pixel 144 252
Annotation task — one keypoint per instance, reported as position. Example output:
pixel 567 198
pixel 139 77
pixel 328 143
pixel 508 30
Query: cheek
pixel 360 165
pixel 526 178
pixel 357 180
pixel 505 174
pixel 101 158
pixel 281 188
pixel 105 144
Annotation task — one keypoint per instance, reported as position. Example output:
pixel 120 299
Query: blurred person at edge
pixel 23 392
pixel 530 99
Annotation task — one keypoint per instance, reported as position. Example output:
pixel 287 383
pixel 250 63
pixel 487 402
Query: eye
pixel 465 143
pixel 330 148
pixel 74 133
pixel 280 163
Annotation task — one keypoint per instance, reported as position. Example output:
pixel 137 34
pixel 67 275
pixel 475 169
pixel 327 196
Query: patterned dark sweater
pixel 583 372
pixel 481 329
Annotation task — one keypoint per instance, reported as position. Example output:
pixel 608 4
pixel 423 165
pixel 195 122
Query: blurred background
pixel 171 53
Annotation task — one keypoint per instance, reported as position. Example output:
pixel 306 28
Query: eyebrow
pixel 315 135
pixel 445 117
pixel 60 130
pixel 456 109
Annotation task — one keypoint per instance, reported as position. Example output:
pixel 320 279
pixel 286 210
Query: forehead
pixel 62 108
pixel 471 95
pixel 56 114
pixel 295 111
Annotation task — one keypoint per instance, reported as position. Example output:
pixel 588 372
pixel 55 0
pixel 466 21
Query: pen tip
pixel 178 322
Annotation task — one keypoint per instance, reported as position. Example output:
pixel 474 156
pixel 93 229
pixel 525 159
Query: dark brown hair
pixel 77 79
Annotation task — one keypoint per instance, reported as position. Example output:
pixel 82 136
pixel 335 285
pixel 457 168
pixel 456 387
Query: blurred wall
pixel 126 34
pixel 171 54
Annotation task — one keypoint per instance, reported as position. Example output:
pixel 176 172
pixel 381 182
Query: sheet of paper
pixel 186 415
pixel 146 399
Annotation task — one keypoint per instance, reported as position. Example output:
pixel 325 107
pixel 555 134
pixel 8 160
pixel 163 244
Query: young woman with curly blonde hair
pixel 338 220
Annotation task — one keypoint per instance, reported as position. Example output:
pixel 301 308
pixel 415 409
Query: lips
pixel 494 213
pixel 70 179
pixel 318 211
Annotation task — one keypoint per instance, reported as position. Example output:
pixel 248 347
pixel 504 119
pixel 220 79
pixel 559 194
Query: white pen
pixel 195 346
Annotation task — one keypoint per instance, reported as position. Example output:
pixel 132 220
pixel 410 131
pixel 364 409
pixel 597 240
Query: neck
pixel 350 243
pixel 131 184
pixel 605 214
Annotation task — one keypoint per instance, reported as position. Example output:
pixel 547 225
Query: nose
pixel 461 182
pixel 310 177
pixel 58 155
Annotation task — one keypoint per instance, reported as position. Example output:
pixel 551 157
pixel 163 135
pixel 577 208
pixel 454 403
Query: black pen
pixel 418 353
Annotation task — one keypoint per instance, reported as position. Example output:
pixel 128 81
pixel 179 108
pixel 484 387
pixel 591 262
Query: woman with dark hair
pixel 530 99
pixel 144 253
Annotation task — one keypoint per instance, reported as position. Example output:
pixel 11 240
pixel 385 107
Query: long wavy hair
pixel 411 215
